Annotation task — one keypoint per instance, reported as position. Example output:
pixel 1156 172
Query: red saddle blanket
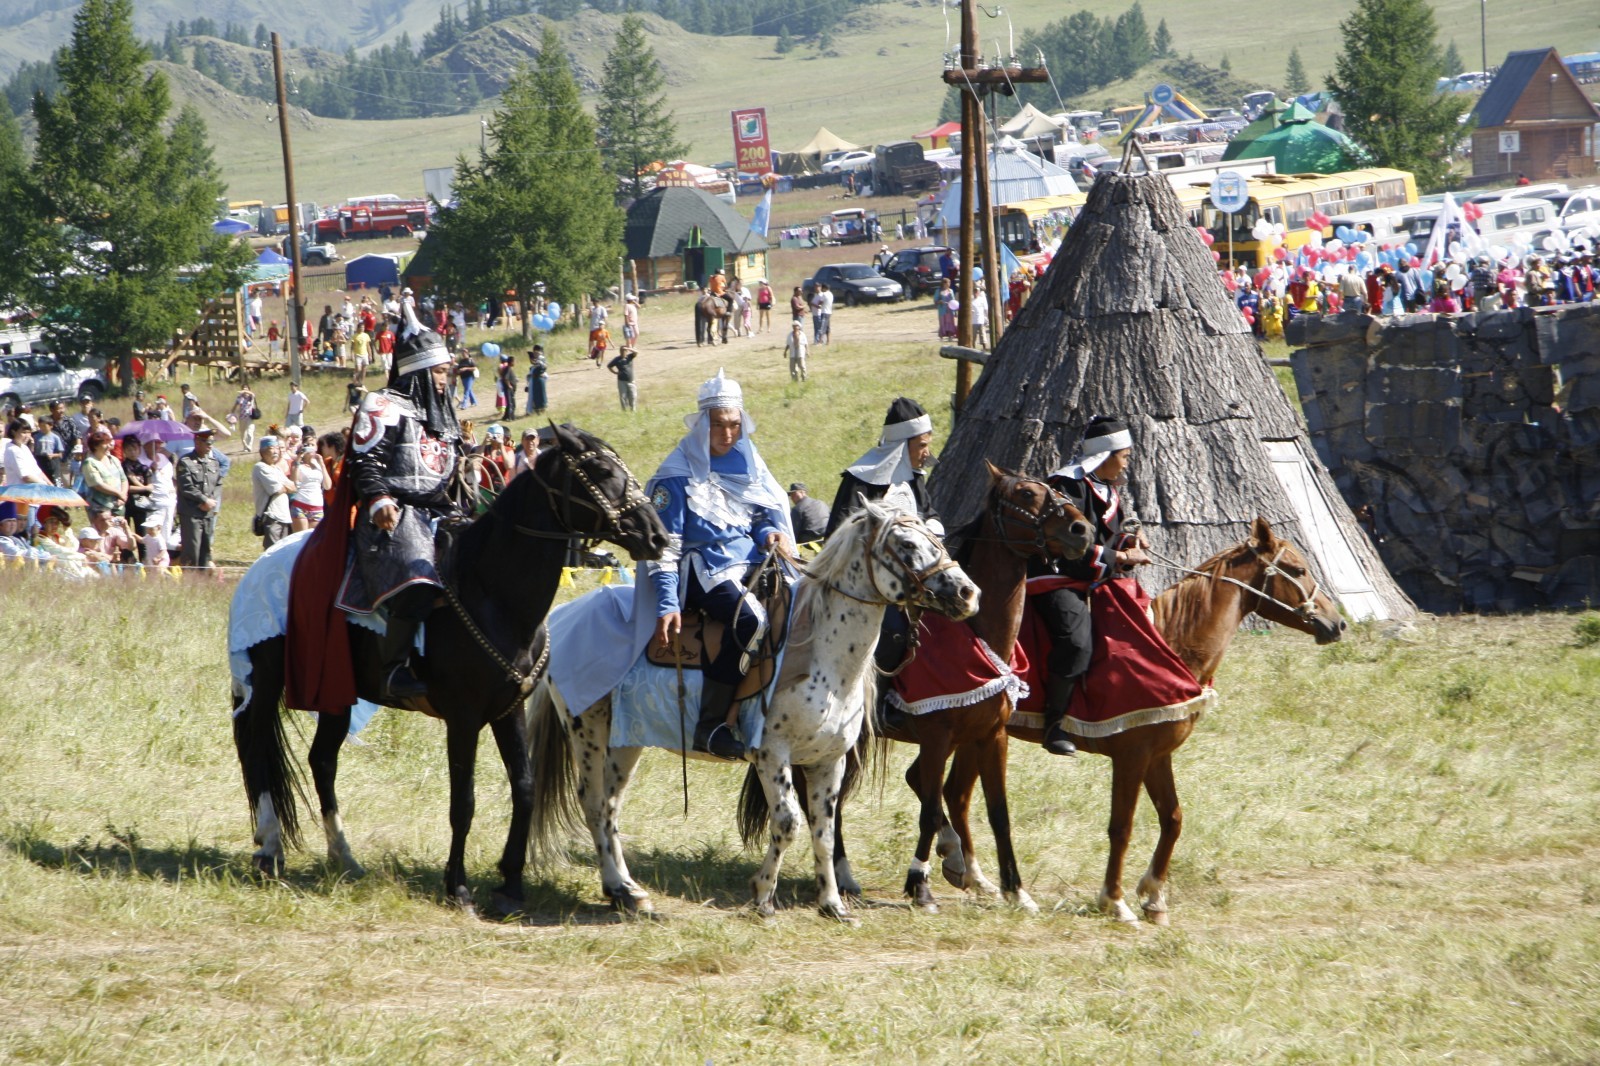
pixel 954 668
pixel 1134 677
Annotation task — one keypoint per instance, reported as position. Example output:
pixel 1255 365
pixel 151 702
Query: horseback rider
pixel 1092 483
pixel 722 509
pixel 406 447
pixel 895 473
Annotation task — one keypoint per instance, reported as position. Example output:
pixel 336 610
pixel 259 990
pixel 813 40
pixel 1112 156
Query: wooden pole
pixel 295 315
pixel 991 254
pixel 971 127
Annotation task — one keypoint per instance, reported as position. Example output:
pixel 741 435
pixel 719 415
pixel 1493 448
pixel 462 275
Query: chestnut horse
pixel 1198 616
pixel 1022 518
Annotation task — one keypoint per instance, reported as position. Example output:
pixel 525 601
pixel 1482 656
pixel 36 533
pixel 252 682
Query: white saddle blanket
pixel 260 611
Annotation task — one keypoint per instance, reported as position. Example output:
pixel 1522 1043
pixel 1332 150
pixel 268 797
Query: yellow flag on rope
pixel 605 576
pixel 566 578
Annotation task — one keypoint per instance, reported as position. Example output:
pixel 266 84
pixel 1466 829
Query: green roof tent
pixel 1299 144
pixel 692 227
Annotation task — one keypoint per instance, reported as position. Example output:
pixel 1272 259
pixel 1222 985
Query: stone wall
pixel 1475 441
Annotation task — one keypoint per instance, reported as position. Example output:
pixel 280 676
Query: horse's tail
pixel 556 815
pixel 263 745
pixel 753 812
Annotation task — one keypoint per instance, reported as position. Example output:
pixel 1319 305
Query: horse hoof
pixel 629 905
pixel 766 909
pixel 1121 912
pixel 502 905
pixel 1157 917
pixel 268 866
pixel 1026 904
pixel 840 915
pixel 955 875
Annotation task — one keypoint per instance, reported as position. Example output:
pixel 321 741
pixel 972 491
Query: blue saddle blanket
pixel 644 709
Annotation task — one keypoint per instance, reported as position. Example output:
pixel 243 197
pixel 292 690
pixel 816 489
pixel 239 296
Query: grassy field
pixel 1389 852
pixel 880 82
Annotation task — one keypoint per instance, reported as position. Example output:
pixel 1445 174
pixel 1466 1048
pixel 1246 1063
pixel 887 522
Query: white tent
pixel 1029 123
pixel 1013 176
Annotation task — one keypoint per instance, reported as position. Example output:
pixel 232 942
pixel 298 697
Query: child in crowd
pixel 153 546
pixel 599 341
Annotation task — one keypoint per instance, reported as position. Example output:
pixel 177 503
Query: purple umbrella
pixel 156 429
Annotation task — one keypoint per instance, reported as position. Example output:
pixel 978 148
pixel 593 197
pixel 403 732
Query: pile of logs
pixel 1475 442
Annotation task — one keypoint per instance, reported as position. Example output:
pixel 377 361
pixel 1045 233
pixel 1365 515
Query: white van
pixel 1510 219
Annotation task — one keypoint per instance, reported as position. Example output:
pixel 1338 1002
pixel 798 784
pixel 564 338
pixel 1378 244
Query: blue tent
pixel 231 226
pixel 372 270
pixel 270 258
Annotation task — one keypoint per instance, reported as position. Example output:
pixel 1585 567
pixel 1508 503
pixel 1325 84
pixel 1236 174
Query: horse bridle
pixel 562 499
pixel 1055 506
pixel 1305 612
pixel 915 581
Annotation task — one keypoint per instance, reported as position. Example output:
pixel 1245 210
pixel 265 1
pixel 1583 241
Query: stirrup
pixel 401 684
pixel 720 743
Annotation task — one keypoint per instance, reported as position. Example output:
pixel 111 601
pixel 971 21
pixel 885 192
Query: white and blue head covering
pixel 890 462
pixel 1102 438
pixel 691 459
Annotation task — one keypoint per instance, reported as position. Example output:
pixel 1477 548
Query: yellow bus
pixel 1026 226
pixel 1291 199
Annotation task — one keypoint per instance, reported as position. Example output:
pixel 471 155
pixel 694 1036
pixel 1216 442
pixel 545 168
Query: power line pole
pixel 975 82
pixel 295 319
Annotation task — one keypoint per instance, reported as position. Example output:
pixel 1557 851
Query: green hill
pixel 878 80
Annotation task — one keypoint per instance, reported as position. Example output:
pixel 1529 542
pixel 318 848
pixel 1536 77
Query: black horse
pixel 485 646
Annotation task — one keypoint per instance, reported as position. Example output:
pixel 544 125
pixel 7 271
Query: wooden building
pixel 678 235
pixel 1534 120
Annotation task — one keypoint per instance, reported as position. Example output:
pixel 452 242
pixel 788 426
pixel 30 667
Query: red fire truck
pixel 389 219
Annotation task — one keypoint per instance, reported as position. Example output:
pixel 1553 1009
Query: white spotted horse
pixel 1021 518
pixel 485 645
pixel 814 716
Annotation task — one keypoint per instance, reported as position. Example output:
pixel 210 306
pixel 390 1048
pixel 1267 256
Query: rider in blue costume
pixel 722 510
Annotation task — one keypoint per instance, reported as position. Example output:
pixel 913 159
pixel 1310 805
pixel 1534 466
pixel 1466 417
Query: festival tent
pixel 1299 144
pixel 1029 123
pixel 371 270
pixel 824 141
pixel 678 234
pixel 1013 175
pixel 268 257
pixel 939 136
pixel 1130 320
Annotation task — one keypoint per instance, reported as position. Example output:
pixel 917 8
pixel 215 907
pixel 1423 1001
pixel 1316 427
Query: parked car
pixel 1577 209
pixel 853 283
pixel 1515 192
pixel 857 160
pixel 917 269
pixel 311 252
pixel 40 378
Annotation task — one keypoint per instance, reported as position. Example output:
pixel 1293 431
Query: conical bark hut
pixel 1130 320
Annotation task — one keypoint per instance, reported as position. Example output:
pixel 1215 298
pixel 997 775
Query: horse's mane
pixel 839 550
pixel 1185 604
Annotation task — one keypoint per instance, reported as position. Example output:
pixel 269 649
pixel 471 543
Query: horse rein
pixel 1055 507
pixel 1304 612
pixel 561 500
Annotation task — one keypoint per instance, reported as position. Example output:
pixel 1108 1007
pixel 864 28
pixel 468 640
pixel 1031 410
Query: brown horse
pixel 1199 615
pixel 1022 518
pixel 711 316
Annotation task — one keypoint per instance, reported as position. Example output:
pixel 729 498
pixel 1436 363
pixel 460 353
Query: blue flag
pixel 763 214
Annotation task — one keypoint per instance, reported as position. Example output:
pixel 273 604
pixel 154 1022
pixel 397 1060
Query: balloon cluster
pixel 546 321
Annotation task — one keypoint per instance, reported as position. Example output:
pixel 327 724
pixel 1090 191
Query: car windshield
pixel 856 272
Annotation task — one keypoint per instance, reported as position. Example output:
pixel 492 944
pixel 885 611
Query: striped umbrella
pixel 42 495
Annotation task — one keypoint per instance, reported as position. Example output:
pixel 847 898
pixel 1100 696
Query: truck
pixel 398 219
pixel 899 167
pixel 311 253
pixel 276 220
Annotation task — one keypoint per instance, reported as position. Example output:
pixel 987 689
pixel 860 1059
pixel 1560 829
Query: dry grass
pixel 1388 856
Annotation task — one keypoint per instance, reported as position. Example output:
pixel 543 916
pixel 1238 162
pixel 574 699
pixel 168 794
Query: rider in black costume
pixel 1092 483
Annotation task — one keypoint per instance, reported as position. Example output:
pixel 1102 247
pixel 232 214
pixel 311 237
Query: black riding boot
pixel 1057 696
pixel 711 734
pixel 399 683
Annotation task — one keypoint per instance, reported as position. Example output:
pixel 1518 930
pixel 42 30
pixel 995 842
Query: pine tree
pixel 1162 42
pixel 1384 79
pixel 1131 41
pixel 785 43
pixel 1295 82
pixel 537 206
pixel 114 208
pixel 13 234
pixel 1452 60
pixel 1225 64
pixel 263 36
pixel 634 124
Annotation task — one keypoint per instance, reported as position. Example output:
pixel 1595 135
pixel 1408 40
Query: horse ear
pixel 1261 534
pixel 995 473
pixel 873 510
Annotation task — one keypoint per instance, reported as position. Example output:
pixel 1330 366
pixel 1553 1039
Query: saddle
pixel 701 638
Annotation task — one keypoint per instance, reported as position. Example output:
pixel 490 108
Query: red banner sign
pixel 751 151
